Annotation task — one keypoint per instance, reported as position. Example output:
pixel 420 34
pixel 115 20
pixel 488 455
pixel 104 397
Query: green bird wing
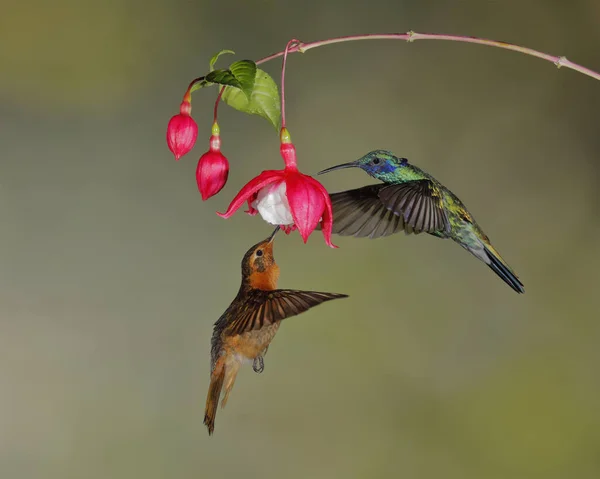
pixel 419 203
pixel 263 308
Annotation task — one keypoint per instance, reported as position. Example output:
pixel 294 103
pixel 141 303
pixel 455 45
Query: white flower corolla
pixel 272 204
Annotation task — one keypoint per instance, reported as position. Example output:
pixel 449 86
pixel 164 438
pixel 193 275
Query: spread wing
pixel 382 209
pixel 263 308
pixel 361 213
pixel 419 203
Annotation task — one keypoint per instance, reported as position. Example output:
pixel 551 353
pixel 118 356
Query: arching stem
pixel 292 43
pixel 217 104
pixel 559 61
pixel 411 36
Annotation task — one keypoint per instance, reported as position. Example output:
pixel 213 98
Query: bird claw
pixel 258 365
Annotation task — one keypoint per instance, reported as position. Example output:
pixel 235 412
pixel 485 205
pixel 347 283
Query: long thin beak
pixel 338 167
pixel 272 237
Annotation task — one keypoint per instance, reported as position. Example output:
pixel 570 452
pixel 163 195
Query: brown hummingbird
pixel 247 327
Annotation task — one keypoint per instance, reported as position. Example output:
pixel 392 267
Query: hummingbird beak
pixel 272 237
pixel 352 164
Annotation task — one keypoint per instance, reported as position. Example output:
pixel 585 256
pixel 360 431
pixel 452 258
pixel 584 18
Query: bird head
pixel 377 163
pixel 259 269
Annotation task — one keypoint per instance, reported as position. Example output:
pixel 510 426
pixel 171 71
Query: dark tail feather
pixel 501 269
pixel 212 400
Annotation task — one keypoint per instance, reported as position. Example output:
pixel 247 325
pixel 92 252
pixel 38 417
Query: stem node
pixel 560 61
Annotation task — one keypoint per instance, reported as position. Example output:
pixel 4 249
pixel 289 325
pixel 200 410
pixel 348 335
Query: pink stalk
pixel 288 47
pixel 412 36
pixel 217 104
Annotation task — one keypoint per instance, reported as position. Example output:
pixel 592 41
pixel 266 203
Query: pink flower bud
pixel 182 132
pixel 213 168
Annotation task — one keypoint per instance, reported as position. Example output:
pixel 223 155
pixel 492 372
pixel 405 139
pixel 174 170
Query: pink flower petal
pixel 251 210
pixel 327 221
pixel 306 202
pixel 250 189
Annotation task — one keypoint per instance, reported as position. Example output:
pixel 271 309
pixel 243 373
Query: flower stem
pixel 291 44
pixel 217 104
pixel 412 36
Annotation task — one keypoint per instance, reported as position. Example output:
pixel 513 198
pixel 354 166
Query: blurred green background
pixel 114 270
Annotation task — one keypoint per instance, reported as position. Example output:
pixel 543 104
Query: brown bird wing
pixel 419 203
pixel 263 308
pixel 361 213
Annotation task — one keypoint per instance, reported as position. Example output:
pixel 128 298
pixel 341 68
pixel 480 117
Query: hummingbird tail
pixel 498 266
pixel 232 369
pixel 214 392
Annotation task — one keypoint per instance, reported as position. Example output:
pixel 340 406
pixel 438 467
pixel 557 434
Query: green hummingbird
pixel 412 201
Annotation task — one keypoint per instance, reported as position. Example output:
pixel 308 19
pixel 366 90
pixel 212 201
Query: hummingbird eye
pixel 376 161
pixel 259 252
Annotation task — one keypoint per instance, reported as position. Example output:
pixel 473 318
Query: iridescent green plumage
pixel 413 201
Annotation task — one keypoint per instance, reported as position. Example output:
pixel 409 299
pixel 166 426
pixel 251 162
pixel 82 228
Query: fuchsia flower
pixel 213 167
pixel 287 197
pixel 182 130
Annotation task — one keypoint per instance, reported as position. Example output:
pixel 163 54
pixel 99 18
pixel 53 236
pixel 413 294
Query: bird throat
pixel 266 279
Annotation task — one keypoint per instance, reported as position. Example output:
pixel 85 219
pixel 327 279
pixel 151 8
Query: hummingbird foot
pixel 258 365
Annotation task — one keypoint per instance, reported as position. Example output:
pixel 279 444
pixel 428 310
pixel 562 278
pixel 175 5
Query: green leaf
pixel 223 77
pixel 216 56
pixel 240 75
pixel 200 84
pixel 245 72
pixel 263 100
